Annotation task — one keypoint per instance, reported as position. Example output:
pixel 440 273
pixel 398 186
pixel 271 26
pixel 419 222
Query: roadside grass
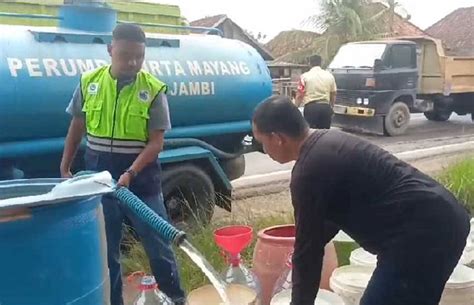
pixel 459 179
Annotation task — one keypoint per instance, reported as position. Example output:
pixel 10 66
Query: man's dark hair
pixel 278 114
pixel 315 61
pixel 129 32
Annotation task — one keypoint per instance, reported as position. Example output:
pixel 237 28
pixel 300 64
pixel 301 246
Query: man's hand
pixel 125 180
pixel 73 140
pixel 332 99
pixel 300 93
pixel 66 173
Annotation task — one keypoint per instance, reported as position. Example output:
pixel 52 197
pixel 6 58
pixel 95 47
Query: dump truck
pixel 214 85
pixel 380 83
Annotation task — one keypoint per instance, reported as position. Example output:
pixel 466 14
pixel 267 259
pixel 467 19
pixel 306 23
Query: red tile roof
pixel 212 21
pixel 456 30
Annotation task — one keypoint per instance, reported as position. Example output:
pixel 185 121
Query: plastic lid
pixel 462 277
pixel 353 276
pixel 360 257
pixel 147 283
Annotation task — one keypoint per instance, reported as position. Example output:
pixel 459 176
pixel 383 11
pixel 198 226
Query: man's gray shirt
pixel 159 111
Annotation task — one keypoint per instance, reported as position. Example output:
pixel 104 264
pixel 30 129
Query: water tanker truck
pixel 381 82
pixel 214 86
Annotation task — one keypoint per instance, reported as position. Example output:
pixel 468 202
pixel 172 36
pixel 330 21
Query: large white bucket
pixel 459 289
pixel 467 257
pixel 324 297
pixel 349 282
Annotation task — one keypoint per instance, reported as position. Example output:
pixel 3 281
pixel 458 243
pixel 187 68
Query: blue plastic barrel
pixel 55 254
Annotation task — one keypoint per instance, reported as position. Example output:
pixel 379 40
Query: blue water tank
pixel 212 80
pixel 57 254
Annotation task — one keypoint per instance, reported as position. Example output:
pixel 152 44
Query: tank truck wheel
pixel 189 195
pixel 397 120
pixel 438 115
pixel 234 168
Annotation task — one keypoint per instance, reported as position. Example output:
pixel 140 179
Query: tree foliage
pixel 343 21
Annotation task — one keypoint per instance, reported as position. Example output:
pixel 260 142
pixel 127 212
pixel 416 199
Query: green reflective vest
pixel 123 116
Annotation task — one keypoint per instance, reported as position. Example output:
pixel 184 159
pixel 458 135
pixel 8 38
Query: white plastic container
pixel 467 257
pixel 350 282
pixel 459 289
pixel 324 297
pixel 360 257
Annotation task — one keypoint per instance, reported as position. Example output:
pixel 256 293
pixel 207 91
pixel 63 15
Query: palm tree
pixel 343 21
pixel 344 18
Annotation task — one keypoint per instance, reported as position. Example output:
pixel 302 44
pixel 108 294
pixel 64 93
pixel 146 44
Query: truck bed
pixel 440 73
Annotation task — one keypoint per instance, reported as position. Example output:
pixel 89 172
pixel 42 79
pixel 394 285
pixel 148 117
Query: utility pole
pixel 392 5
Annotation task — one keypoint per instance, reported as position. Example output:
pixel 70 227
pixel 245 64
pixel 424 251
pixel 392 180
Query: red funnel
pixel 233 239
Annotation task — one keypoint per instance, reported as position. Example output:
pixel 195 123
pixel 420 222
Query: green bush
pixel 459 179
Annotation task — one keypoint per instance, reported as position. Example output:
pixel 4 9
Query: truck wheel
pixel 397 120
pixel 438 115
pixel 234 168
pixel 189 195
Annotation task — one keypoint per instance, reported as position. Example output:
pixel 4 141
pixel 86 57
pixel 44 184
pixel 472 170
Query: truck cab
pixel 377 85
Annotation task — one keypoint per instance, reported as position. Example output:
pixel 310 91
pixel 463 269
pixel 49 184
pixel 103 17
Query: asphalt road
pixel 420 134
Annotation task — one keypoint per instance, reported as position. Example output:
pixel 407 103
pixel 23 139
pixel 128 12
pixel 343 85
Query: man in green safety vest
pixel 124 112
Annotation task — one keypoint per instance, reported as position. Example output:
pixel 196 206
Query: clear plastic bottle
pixel 149 294
pixel 237 273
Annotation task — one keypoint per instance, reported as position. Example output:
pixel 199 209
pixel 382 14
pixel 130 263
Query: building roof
pixel 456 30
pixel 283 64
pixel 218 21
pixel 401 25
pixel 209 22
pixel 291 41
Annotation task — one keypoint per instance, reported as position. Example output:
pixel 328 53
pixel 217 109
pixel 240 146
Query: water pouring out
pixel 208 270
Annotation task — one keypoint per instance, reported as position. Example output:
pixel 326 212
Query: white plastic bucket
pixel 324 297
pixel 459 289
pixel 360 257
pixel 349 282
pixel 467 257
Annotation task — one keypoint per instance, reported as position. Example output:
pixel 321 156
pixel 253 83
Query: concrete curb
pixel 280 179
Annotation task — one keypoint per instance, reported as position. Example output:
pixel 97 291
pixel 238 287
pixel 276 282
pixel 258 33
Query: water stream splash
pixel 208 270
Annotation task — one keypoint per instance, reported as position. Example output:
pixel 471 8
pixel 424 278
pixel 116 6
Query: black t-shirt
pixel 341 181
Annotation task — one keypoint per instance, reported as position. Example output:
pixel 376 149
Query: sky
pixel 273 16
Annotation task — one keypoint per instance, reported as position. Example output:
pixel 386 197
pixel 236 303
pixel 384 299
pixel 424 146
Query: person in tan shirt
pixel 317 93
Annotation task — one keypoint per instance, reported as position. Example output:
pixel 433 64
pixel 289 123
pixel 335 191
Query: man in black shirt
pixel 414 225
